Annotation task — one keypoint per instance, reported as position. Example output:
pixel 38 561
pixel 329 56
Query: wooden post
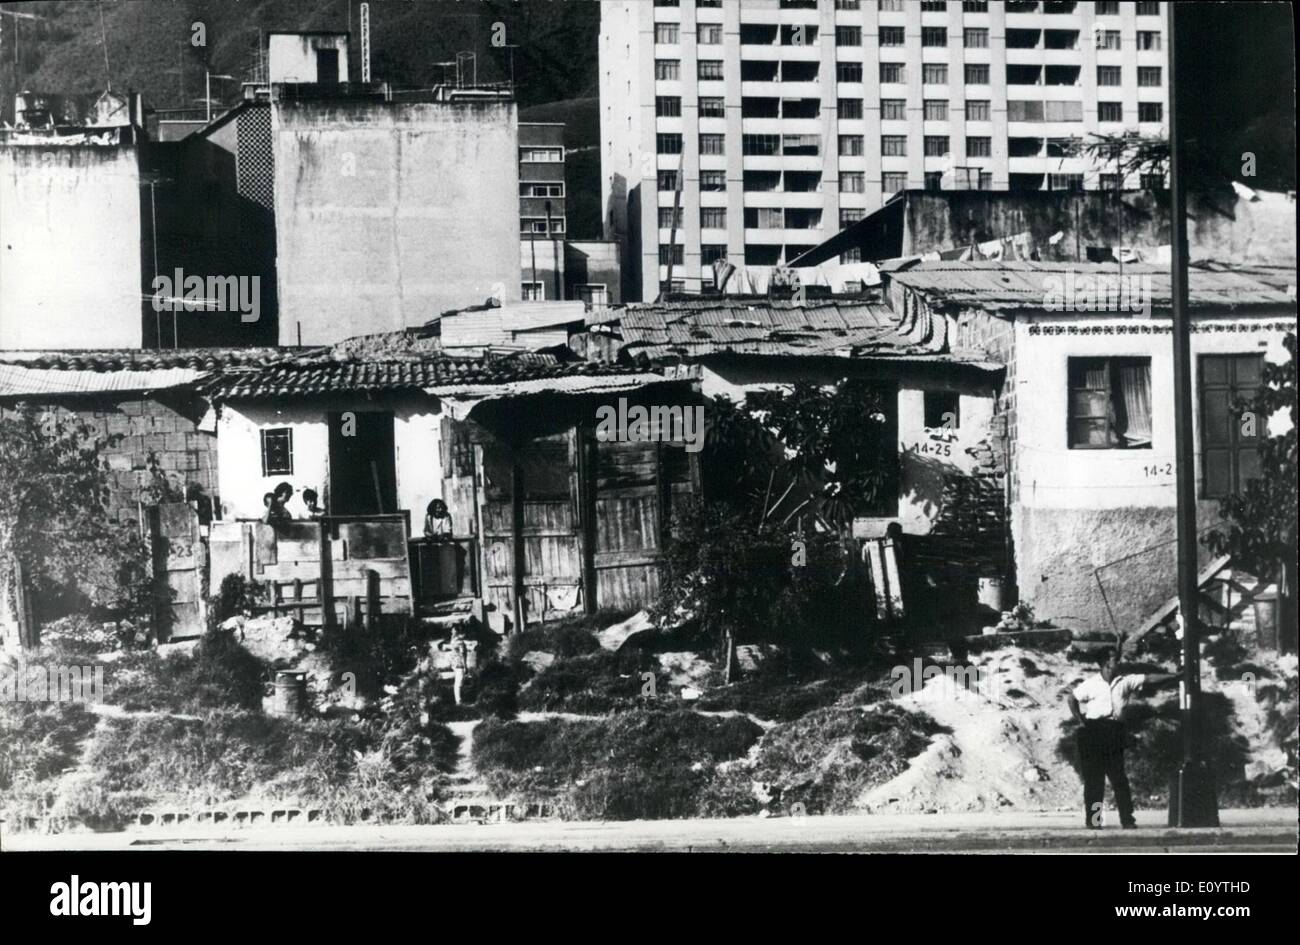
pixel 354 614
pixel 587 514
pixel 29 637
pixel 325 584
pixel 372 600
pixel 517 536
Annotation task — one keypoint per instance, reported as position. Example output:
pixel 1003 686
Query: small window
pixel 712 252
pixel 277 452
pixel 670 253
pixel 892 36
pixel 851 146
pixel 1229 446
pixel 713 218
pixel 893 145
pixel 848 71
pixel 1110 111
pixel 1109 75
pixel 1148 77
pixel 936 145
pixel 533 291
pixel 934 36
pixel 848 36
pixel 893 109
pixel 1151 111
pixel 849 108
pixel 934 73
pixel 668 69
pixel 710 69
pixel 668 106
pixel 668 143
pixel 977 109
pixel 709 34
pixel 713 180
pixel 712 107
pixel 975 38
pixel 713 144
pixel 666 33
pixel 1110 403
pixel 936 109
pixel 1148 40
pixel 852 182
pixel 893 72
pixel 891 182
pixel 1108 39
pixel 934 180
pixel 979 147
pixel 977 73
pixel 942 410
pixel 667 180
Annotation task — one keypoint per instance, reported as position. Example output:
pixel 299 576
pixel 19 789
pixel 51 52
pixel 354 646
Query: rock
pixel 690 694
pixel 611 638
pixel 538 660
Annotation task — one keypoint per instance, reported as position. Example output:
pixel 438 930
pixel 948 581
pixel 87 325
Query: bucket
pixel 290 692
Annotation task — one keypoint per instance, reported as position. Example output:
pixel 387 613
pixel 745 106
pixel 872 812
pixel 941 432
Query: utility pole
pixel 555 260
pixel 1192 801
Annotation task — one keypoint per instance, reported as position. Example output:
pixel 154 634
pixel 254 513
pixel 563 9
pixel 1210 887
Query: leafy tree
pixel 1260 530
pixel 53 517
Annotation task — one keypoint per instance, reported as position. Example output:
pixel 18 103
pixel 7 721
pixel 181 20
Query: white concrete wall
pixel 291 57
pixel 70 247
pixel 417 434
pixel 374 232
pixel 1053 476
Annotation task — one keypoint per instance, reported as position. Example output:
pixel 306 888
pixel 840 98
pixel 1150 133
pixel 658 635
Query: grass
pixel 39 741
pixel 219 674
pixel 643 763
pixel 593 683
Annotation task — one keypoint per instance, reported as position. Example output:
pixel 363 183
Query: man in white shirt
pixel 1098 703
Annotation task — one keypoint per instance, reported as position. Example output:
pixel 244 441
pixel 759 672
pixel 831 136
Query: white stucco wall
pixel 417 434
pixel 1053 476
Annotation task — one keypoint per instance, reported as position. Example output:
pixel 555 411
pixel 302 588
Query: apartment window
pixel 667 3
pixel 979 147
pixel 798 35
pixel 1110 403
pixel 977 73
pixel 668 143
pixel 1018 110
pixel 851 215
pixel 985 181
pixel 893 72
pixel 1107 7
pixel 794 70
pixel 892 36
pixel 934 36
pixel 942 409
pixel 891 6
pixel 1148 9
pixel 934 180
pixel 1061 75
pixel 542 155
pixel 666 34
pixel 764 218
pixel 757 34
pixel 936 109
pixel 709 34
pixel 541 190
pixel 760 145
pixel 713 180
pixel 708 4
pixel 277 452
pixel 977 109
pixel 1063 111
pixel 934 73
pixel 848 4
pixel 712 252
pixel 713 144
pixel 761 181
pixel 533 291
pixel 1023 39
pixel 893 145
pixel 1108 39
pixel 667 180
pixel 1148 40
pixel 1229 457
pixel 975 6
pixel 1110 111
pixel 712 107
pixel 673 253
pixel 801 145
pixel 850 256
pixel 891 182
pixel 1021 6
pixel 710 69
pixel 852 182
pixel 893 109
pixel 975 38
pixel 668 218
pixel 851 146
pixel 850 108
pixel 1109 75
pixel 1148 76
pixel 1154 181
pixel 848 71
pixel 668 106
pixel 936 145
pixel 1068 182
pixel 848 36
pixel 713 218
pixel 1151 111
pixel 668 69
pixel 933 6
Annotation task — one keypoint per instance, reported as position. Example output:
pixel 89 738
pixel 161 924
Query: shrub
pixel 598 682
pixel 565 640
pixel 644 763
pixel 38 741
pixel 220 673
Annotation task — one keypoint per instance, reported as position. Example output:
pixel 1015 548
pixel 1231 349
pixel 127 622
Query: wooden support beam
pixel 517 536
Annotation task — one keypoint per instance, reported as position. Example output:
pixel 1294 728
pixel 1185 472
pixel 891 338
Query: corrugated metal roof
pixel 1018 285
pixel 843 328
pixel 524 323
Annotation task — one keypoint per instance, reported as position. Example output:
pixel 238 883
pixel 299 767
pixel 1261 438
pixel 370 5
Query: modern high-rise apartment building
pixel 772 124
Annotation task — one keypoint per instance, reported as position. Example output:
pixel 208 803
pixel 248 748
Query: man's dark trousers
pixel 1101 756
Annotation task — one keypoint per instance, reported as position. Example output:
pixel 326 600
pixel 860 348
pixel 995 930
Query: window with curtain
pixel 1110 403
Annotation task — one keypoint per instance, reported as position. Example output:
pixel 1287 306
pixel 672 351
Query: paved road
pixel 1271 831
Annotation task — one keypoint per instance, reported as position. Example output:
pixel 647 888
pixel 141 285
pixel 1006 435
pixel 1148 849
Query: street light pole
pixel 1192 801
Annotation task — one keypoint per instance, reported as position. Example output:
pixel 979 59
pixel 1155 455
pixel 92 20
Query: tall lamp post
pixel 1192 801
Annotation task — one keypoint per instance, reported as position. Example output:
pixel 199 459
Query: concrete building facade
pixel 373 233
pixel 772 124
